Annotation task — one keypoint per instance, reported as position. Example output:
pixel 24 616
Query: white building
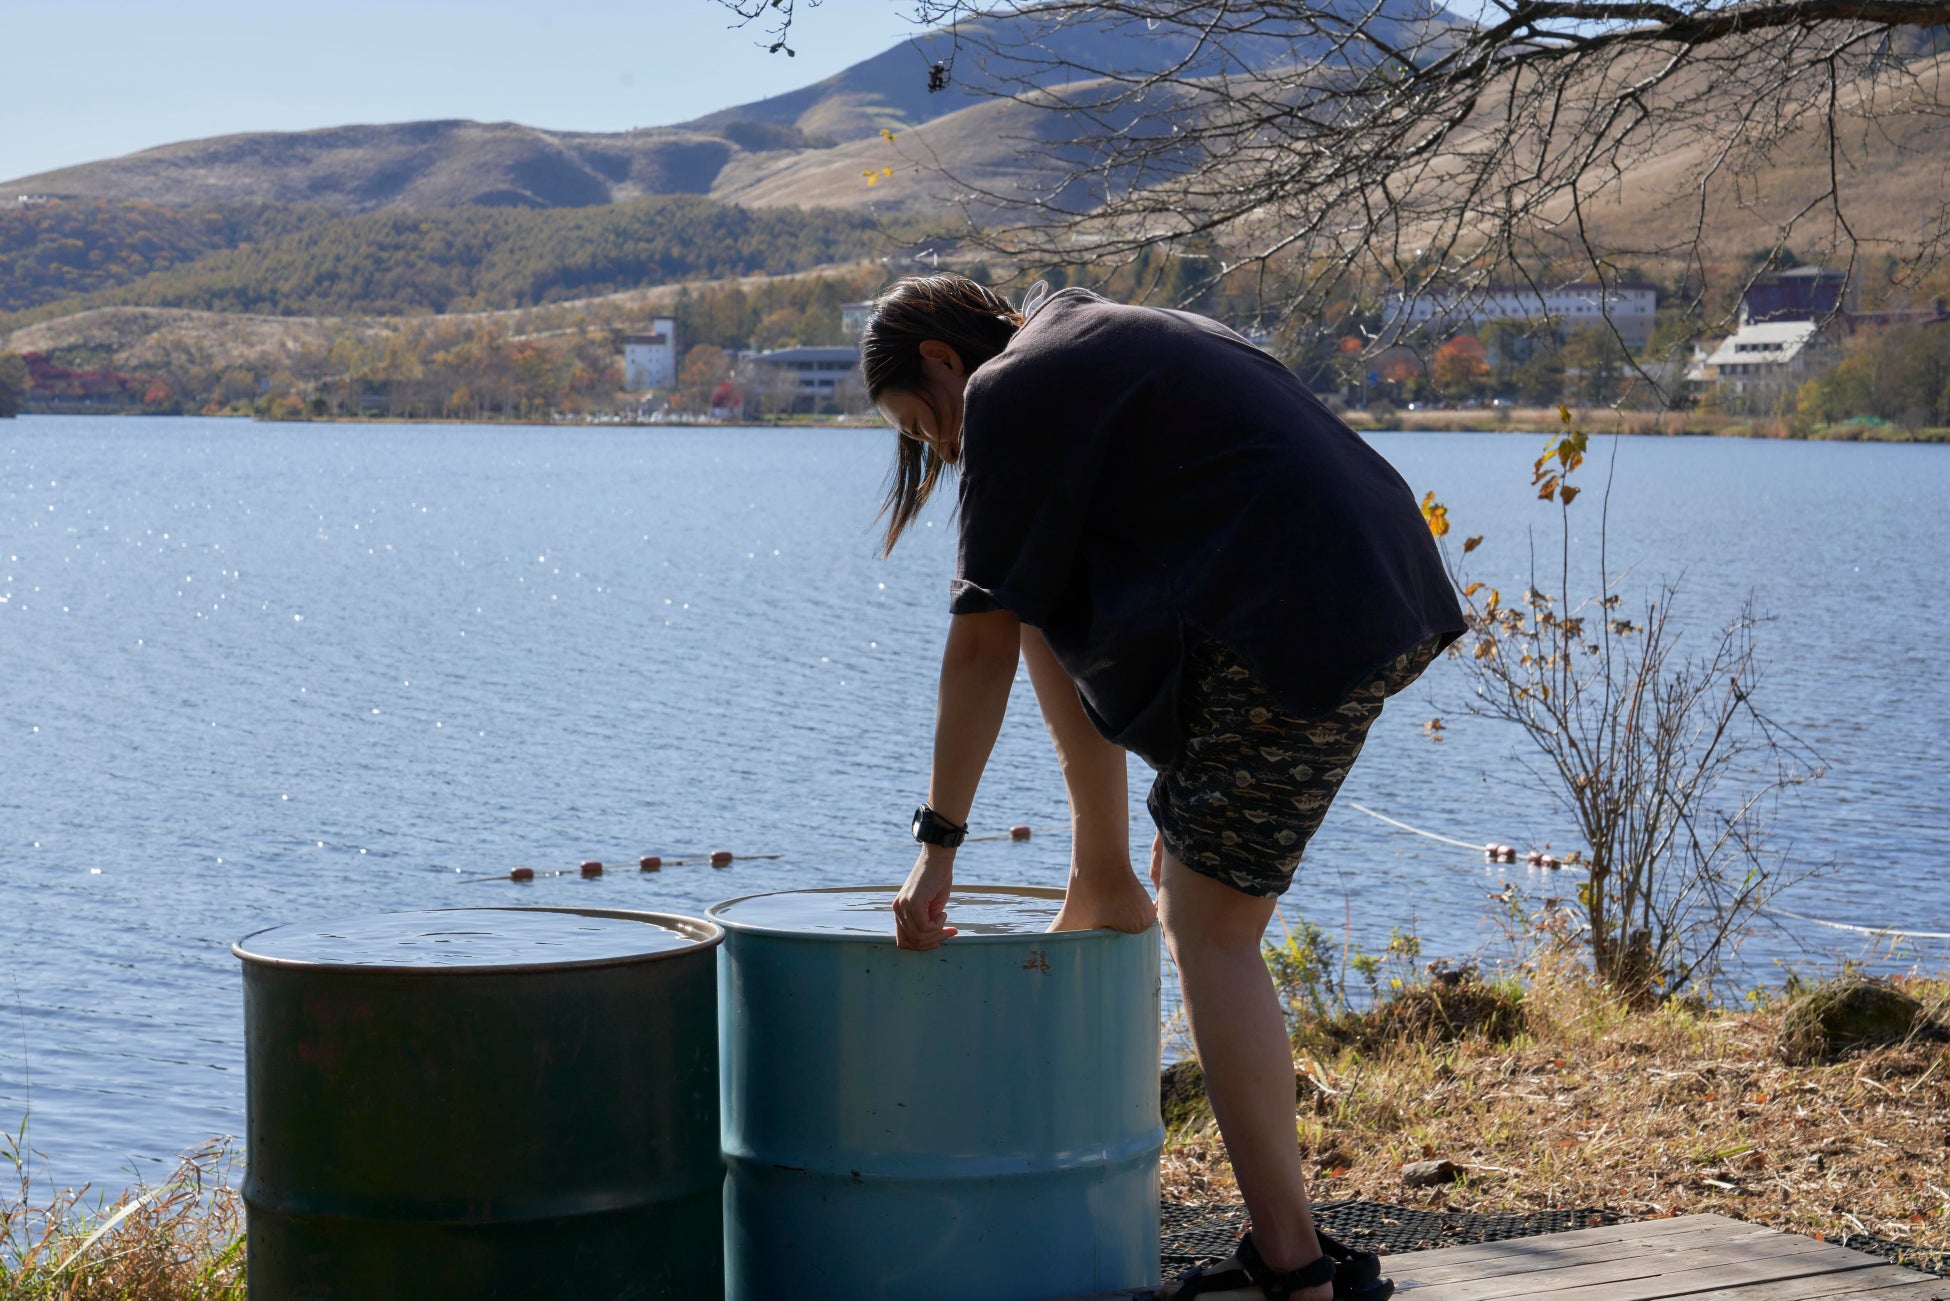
pixel 1630 307
pixel 818 372
pixel 650 360
pixel 1761 360
pixel 853 318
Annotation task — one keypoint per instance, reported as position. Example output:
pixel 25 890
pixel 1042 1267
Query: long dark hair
pixel 972 319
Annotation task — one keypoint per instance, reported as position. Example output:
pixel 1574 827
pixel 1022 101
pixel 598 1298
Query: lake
pixel 262 674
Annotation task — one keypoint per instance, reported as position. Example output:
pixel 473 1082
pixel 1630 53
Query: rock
pixel 1430 1174
pixel 1181 1095
pixel 1842 1015
pixel 1182 1099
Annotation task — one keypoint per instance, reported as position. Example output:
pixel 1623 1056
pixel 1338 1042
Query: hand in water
pixel 921 908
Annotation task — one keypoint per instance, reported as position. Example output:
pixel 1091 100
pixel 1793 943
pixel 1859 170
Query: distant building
pixel 1629 306
pixel 1761 362
pixel 650 360
pixel 819 372
pixel 853 318
pixel 1803 294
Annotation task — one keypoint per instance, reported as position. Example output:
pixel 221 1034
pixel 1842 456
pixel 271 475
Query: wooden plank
pixel 1722 1258
pixel 1562 1251
pixel 1627 1278
pixel 1595 1244
pixel 1878 1283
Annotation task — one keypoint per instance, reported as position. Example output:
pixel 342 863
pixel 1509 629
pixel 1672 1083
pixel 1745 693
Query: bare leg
pixel 1215 934
pixel 1103 891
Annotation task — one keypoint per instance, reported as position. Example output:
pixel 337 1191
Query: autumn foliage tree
pixel 1460 368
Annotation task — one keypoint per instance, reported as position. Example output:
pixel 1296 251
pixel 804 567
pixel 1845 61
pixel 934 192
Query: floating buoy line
pixel 1501 853
pixel 716 858
pixel 648 863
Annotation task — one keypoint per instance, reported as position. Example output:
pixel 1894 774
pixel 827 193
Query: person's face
pixel 932 413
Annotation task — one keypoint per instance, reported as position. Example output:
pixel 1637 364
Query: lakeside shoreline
pixel 1521 420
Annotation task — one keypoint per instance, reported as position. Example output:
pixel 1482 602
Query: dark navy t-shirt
pixel 1131 475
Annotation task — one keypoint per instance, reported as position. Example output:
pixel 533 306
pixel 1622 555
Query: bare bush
pixel 1658 752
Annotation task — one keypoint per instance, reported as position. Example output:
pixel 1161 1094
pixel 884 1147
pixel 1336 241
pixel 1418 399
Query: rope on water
pixel 1447 840
pixel 1864 930
pixel 1890 931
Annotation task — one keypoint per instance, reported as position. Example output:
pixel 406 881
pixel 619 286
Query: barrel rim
pixel 704 933
pixel 716 914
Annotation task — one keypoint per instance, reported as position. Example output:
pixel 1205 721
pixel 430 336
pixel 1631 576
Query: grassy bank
pixel 181 1240
pixel 1560 1096
pixel 1604 420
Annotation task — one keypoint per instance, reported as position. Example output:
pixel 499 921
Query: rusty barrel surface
pixel 483 1103
pixel 976 1123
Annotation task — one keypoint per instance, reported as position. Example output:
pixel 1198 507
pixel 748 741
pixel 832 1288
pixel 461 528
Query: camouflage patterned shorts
pixel 1253 782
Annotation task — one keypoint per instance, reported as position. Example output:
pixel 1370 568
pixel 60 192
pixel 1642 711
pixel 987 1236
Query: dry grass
pixel 182 1240
pixel 1672 1111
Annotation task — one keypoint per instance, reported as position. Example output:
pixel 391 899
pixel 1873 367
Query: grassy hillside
pixel 402 263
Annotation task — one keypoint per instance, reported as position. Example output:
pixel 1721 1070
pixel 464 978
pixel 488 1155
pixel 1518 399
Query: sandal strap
pixel 1204 1279
pixel 1278 1285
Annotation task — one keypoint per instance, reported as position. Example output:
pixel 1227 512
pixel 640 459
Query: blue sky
pixel 88 79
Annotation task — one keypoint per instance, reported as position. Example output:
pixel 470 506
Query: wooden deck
pixel 1700 1257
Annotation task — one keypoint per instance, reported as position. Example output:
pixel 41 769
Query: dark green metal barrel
pixel 484 1103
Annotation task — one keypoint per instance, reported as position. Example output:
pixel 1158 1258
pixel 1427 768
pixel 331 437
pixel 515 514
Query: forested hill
pixel 65 256
pixel 50 251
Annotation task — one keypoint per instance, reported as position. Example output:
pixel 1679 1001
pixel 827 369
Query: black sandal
pixel 1352 1269
pixel 1249 1275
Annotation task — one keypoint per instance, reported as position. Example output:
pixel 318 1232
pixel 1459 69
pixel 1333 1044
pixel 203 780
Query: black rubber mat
pixel 1193 1235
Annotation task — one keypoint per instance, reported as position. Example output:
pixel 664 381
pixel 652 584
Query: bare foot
pixel 1106 901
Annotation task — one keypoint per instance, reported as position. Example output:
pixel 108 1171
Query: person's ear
pixel 941 354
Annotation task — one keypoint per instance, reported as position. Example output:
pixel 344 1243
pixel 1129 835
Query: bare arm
pixel 977 669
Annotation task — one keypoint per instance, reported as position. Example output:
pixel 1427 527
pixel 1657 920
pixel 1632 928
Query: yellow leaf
pixel 1435 513
pixel 1470 544
pixel 887 135
pixel 1547 488
pixel 886 171
pixel 1472 589
pixel 871 175
pixel 1564 413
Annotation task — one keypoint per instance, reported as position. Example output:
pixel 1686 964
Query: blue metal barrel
pixel 978 1123
pixel 483 1103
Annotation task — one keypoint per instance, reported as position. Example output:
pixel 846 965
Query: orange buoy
pixel 522 874
pixel 1018 833
pixel 592 868
pixel 649 862
pixel 719 857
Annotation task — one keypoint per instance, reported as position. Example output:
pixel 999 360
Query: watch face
pixel 919 815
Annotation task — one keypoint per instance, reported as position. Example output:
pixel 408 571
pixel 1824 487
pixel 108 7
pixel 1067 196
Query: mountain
pixel 406 165
pixel 737 151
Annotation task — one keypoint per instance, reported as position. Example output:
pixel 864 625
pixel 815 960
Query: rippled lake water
pixel 260 674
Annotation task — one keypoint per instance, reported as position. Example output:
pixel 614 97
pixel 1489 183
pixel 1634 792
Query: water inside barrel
pixel 468 937
pixel 871 912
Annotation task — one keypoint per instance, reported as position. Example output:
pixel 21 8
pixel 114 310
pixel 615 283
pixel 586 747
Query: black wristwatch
pixel 930 828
